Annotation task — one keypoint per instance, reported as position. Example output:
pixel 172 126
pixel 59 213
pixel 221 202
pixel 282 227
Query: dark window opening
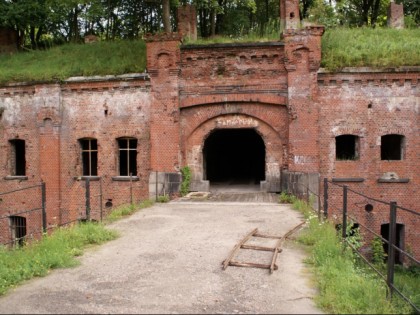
pixel 128 156
pixel 392 147
pixel 89 156
pixel 234 155
pixel 18 230
pixel 18 157
pixel 399 240
pixel 347 147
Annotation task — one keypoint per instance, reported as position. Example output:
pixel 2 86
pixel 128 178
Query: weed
pixel 186 180
pixel 163 198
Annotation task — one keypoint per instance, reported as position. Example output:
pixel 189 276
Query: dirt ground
pixel 168 259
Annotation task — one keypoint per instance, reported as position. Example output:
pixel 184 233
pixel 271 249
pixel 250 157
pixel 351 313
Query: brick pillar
pixel 47 101
pixel 163 58
pixel 289 14
pixel 303 56
pixel 187 21
pixel 395 16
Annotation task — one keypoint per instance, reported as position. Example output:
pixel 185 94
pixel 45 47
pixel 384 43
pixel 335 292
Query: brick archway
pixel 275 148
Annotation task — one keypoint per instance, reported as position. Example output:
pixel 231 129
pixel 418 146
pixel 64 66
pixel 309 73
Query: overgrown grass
pixel 62 62
pixel 57 250
pixel 341 47
pixel 345 286
pixel 361 47
pixel 127 209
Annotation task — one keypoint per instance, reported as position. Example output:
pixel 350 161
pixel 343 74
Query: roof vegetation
pixel 341 47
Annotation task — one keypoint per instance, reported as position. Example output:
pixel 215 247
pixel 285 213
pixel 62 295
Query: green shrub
pixel 186 180
pixel 163 199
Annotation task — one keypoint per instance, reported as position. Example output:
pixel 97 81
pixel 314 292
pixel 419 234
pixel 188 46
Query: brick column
pixel 303 56
pixel 163 58
pixel 47 101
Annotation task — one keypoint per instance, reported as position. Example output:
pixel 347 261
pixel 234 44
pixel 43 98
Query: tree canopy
pixel 55 21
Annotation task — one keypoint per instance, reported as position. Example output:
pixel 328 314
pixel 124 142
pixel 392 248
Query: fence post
pixel 43 202
pixel 344 227
pixel 131 189
pixel 325 197
pixel 87 185
pixel 391 243
pixel 307 188
pixel 100 197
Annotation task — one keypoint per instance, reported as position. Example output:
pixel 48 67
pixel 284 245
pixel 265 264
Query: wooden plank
pixel 280 242
pixel 237 247
pixel 266 236
pixel 268 249
pixel 251 265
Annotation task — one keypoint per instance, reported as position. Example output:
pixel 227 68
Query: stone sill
pixel 401 180
pixel 125 178
pixel 349 179
pixel 91 178
pixel 14 177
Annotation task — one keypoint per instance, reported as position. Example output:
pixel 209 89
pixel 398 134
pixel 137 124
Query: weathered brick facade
pixel 188 92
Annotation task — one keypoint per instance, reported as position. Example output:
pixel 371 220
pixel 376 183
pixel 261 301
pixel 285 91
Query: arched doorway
pixel 234 157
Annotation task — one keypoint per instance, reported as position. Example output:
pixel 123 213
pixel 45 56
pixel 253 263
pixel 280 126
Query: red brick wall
pixel 275 88
pixel 51 118
pixel 370 104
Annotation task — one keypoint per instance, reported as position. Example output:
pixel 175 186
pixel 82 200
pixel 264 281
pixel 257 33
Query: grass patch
pixel 127 209
pixel 368 47
pixel 62 62
pixel 346 286
pixel 57 250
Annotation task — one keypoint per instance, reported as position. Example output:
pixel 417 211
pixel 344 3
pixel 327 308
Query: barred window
pixel 18 229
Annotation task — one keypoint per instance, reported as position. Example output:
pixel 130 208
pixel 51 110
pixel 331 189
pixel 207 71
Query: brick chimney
pixel 187 21
pixel 289 14
pixel 395 15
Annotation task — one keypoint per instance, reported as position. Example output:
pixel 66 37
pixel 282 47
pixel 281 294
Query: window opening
pixel 347 147
pixel 89 156
pixel 392 147
pixel 18 230
pixel 18 157
pixel 128 156
pixel 399 240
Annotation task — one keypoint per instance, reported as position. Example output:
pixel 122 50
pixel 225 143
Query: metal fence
pixel 386 246
pixel 23 218
pixel 23 211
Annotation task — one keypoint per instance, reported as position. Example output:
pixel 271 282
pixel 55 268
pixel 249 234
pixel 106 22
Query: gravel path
pixel 168 260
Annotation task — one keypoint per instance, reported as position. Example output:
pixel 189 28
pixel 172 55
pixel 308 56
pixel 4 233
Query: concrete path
pixel 168 260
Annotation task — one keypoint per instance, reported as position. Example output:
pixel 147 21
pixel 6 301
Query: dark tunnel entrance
pixel 234 156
